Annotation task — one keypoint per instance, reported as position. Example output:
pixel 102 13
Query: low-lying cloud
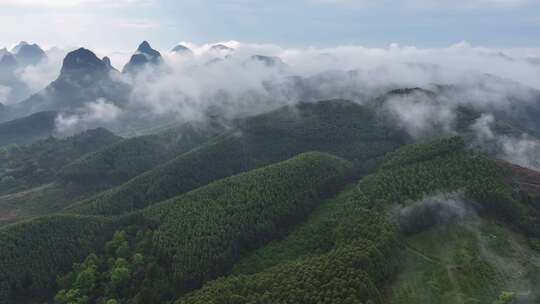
pixel 37 77
pixel 431 211
pixel 186 84
pixel 521 149
pixel 190 86
pixel 18 83
pixel 99 112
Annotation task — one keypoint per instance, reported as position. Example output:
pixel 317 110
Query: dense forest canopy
pixel 323 202
pixel 367 152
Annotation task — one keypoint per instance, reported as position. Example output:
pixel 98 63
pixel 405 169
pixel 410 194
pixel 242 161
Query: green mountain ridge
pixel 124 160
pixel 28 129
pixel 324 168
pixel 297 250
pixel 339 127
pixel 323 202
pixel 86 164
pixel 39 163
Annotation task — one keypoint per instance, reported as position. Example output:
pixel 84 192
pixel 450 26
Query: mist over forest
pixel 312 160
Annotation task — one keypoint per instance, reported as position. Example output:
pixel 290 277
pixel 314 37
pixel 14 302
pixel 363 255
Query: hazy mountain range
pixel 230 175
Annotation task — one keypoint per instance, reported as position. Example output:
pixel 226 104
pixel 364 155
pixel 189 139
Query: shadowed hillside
pixel 339 127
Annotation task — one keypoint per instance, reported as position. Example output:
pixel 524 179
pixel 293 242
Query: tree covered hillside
pixel 33 253
pixel 32 165
pixel 313 203
pixel 245 211
pixel 343 253
pixel 128 158
pixel 45 177
pixel 339 127
pixel 28 129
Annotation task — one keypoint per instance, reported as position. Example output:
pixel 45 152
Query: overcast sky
pixel 98 24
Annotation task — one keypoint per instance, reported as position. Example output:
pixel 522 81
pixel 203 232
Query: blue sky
pixel 290 23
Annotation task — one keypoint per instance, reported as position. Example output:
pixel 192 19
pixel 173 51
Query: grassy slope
pixel 503 252
pixel 471 262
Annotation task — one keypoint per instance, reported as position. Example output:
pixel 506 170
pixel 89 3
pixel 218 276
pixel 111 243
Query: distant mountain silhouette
pixel 3 52
pixel 12 66
pixel 30 54
pixel 18 90
pixel 181 49
pixel 83 78
pixel 108 63
pixel 81 63
pixel 16 49
pixel 8 61
pixel 221 47
pixel 144 55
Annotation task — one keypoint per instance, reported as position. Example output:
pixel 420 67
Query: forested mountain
pixel 321 202
pixel 280 233
pixel 38 163
pixel 518 115
pixel 28 129
pixel 47 176
pixel 339 127
pixel 252 152
pixel 56 243
pixel 265 202
pixel 348 251
pixel 128 158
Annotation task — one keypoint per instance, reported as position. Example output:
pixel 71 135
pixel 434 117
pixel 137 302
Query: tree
pixel 72 296
pixel 123 250
pixel 505 298
pixel 118 239
pixel 120 275
pixel 138 259
pixel 86 280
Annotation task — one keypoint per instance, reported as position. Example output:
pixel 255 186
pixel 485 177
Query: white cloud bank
pixel 487 79
pixel 99 112
pixel 38 76
pixel 189 86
